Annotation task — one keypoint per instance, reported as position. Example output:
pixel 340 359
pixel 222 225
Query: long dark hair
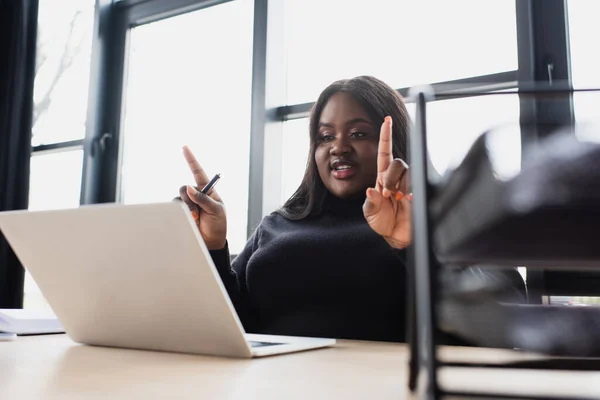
pixel 379 100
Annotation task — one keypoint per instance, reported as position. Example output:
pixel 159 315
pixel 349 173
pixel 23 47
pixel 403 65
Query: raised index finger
pixel 384 151
pixel 199 174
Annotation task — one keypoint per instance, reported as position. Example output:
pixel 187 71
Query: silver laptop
pixel 136 276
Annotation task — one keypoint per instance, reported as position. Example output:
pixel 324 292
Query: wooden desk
pixel 54 367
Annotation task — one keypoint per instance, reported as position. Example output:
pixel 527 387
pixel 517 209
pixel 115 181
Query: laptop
pixel 136 276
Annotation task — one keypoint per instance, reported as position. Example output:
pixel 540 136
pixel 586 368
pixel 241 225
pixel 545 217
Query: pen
pixel 211 184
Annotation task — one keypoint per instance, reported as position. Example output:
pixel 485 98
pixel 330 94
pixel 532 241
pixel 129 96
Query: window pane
pixel 295 145
pixel 586 107
pixel 55 183
pixel 62 70
pixel 402 42
pixel 575 301
pixel 189 82
pixel 453 126
pixel 584 34
pixel 55 180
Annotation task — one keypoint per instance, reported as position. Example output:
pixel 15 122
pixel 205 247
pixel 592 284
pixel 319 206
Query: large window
pixel 64 46
pixel 402 42
pixel 189 83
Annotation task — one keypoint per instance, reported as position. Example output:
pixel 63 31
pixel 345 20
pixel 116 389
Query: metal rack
pixel 424 286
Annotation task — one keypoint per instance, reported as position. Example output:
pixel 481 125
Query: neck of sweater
pixel 344 207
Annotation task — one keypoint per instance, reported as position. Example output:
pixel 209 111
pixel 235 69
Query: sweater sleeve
pixel 233 276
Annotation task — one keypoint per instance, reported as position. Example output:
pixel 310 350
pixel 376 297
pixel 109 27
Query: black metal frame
pixel 102 141
pixel 144 12
pixel 425 267
pixel 57 147
pixel 542 36
pixel 267 92
pixel 423 340
pixel 446 89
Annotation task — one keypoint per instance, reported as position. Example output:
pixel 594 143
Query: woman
pixel 331 261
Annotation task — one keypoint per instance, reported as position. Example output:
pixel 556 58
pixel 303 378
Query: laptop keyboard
pixel 263 344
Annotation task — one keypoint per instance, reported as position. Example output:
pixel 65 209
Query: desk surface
pixel 53 366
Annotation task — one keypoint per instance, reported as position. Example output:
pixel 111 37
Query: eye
pixel 326 137
pixel 358 134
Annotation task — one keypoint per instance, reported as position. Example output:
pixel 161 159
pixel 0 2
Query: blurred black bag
pixel 545 211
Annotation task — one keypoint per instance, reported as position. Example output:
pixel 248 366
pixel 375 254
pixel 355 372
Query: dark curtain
pixel 18 35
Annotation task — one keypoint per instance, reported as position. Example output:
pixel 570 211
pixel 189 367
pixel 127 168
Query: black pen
pixel 210 184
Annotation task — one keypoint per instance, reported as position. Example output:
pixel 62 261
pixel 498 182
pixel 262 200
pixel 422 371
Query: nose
pixel 339 146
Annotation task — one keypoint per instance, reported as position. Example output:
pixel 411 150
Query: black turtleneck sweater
pixel 325 276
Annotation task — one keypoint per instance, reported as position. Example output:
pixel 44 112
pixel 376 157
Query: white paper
pixel 23 322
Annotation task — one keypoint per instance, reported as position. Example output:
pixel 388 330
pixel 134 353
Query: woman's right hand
pixel 207 209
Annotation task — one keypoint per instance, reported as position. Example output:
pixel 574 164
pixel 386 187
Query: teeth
pixel 343 167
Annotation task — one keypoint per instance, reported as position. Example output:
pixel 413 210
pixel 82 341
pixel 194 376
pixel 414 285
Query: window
pixel 585 301
pixel 584 34
pixel 328 40
pixel 295 147
pixel 55 183
pixel 189 82
pixel 60 108
pixel 453 126
pixel 394 40
pixel 62 70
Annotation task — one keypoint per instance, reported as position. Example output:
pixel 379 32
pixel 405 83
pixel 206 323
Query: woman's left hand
pixel 387 208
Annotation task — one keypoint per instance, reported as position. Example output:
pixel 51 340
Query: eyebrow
pixel 350 122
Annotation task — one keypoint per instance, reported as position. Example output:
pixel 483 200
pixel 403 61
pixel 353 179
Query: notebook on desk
pixel 136 276
pixel 29 322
